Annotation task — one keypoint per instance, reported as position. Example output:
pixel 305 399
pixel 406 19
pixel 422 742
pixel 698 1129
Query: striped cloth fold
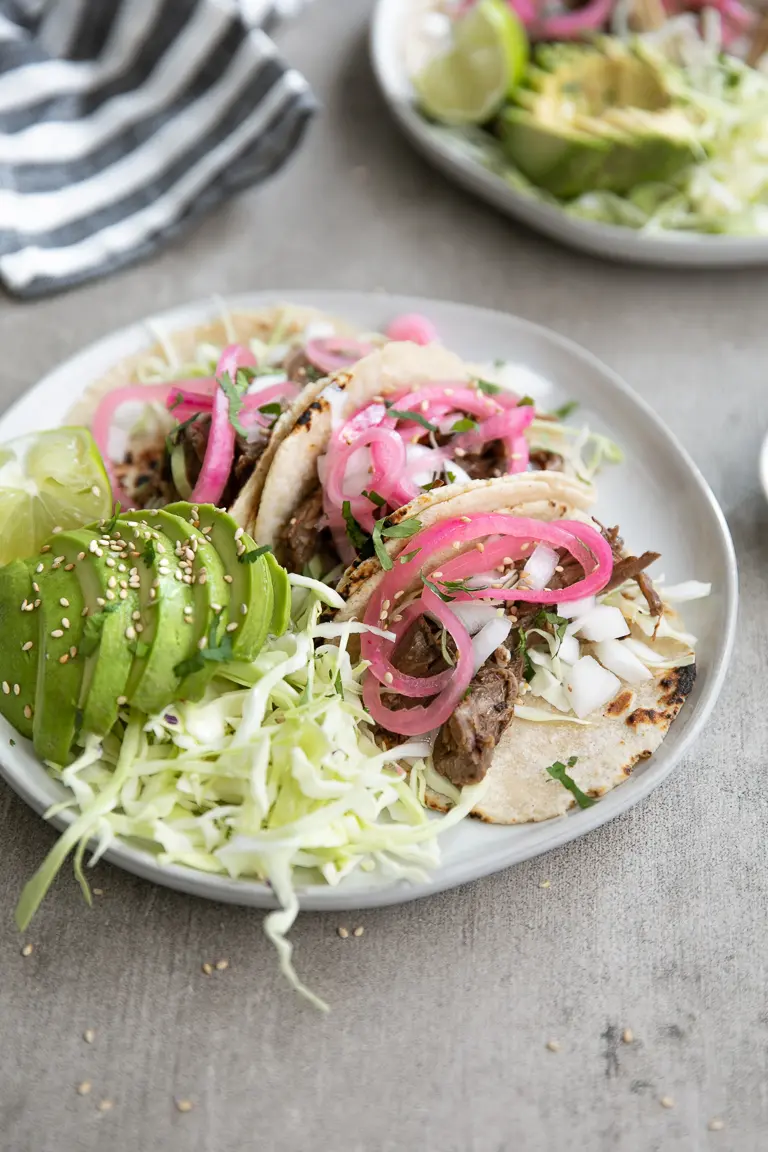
pixel 123 121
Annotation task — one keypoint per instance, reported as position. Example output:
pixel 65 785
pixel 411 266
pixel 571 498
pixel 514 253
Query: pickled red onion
pixel 506 538
pixel 220 449
pixel 414 327
pixel 334 353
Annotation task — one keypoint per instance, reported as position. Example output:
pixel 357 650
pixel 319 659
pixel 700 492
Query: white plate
pixel 676 249
pixel 657 496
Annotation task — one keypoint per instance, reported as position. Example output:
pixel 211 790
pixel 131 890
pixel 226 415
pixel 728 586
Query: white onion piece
pixel 482 579
pixel 318 330
pixel 539 567
pixel 335 398
pixel 474 615
pixel 429 460
pixel 655 659
pixel 546 685
pixel 458 473
pixel 573 608
pixel 688 590
pixel 589 686
pixel 413 750
pixel 357 474
pixel 259 383
pixel 602 623
pixel 622 661
pixel 488 639
pixel 569 650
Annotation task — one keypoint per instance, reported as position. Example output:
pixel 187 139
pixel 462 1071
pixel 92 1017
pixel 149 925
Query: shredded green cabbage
pixel 277 780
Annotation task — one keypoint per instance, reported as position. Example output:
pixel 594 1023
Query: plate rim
pixel 607 241
pixel 555 833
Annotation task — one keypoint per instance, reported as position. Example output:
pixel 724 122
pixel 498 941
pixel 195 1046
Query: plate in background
pixel 455 159
pixel 657 496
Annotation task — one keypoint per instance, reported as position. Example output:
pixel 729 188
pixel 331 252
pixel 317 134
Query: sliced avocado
pixel 162 637
pixel 60 663
pixel 596 118
pixel 20 647
pixel 110 601
pixel 250 585
pixel 210 591
pixel 281 590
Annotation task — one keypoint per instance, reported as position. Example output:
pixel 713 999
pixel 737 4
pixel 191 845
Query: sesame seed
pixel 73 652
pixel 45 548
pixel 27 711
pixel 388 677
pixel 89 1035
pixel 17 690
pixel 207 968
pixel 63 659
pixel 202 577
pixel 121 700
pixel 110 563
pixel 544 884
pixel 26 647
pixel 81 555
pixel 558 568
pixel 343 932
pixel 385 605
pixel 93 546
pixel 667 1102
pixel 130 633
pixel 100 601
pixel 110 594
pixel 359 930
pixel 627 1036
pixel 222 965
pixel 232 627
pixel 84 612
pixel 202 642
pixel 27 950
pixel 112 582
pixel 139 627
pixel 397 619
pixel 6 688
pixel 31 607
pixel 228 578
pixel 64 622
pixel 136 615
pixel 184 1105
pixel 244 609
pixel 57 633
pixel 100 891
pixel 525 547
pixel 480 547
pixel 69 567
pixel 123 593
pixel 105 1105
pixel 715 1124
pixel 216 608
pixel 456 545
pixel 553 1045
pixel 122 568
pixel 40 568
pixel 238 533
pixel 399 594
pixel 152 592
pixel 177 574
pixel 189 554
pixel 459 452
pixel 36 587
pixel 55 531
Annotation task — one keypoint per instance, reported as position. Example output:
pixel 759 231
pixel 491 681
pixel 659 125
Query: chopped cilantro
pixel 444 648
pixel 178 399
pixel 234 392
pixel 565 410
pixel 274 409
pixel 253 554
pixel 464 425
pixel 111 524
pixel 374 497
pixel 434 588
pixel 529 669
pixel 214 653
pixel 558 771
pixel 486 386
pixel 12 742
pixel 451 476
pixel 91 637
pixel 406 556
pixel 526 402
pixel 140 649
pixel 149 553
pixel 462 586
pixel 414 417
pixel 355 534
pixel 173 436
pixel 544 617
pixel 394 531
pixel 436 483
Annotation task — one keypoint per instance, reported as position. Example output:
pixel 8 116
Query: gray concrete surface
pixel 655 923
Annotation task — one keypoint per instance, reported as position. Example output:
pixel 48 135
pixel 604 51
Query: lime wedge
pixel 49 480
pixel 486 63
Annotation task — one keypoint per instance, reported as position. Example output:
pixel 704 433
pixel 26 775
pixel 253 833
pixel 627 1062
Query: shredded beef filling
pixel 545 461
pixel 302 538
pixel 632 568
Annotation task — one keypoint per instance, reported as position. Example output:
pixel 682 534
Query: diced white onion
pixel 473 614
pixel 617 658
pixel 259 383
pixel 688 590
pixel 458 473
pixel 423 463
pixel 589 686
pixel 602 623
pixel 488 639
pixel 546 685
pixel 573 608
pixel 569 650
pixel 539 567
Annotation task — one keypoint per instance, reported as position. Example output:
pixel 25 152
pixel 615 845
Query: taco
pixel 518 642
pixel 403 421
pixel 204 410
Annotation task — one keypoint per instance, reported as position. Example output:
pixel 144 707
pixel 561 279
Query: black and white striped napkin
pixel 122 121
